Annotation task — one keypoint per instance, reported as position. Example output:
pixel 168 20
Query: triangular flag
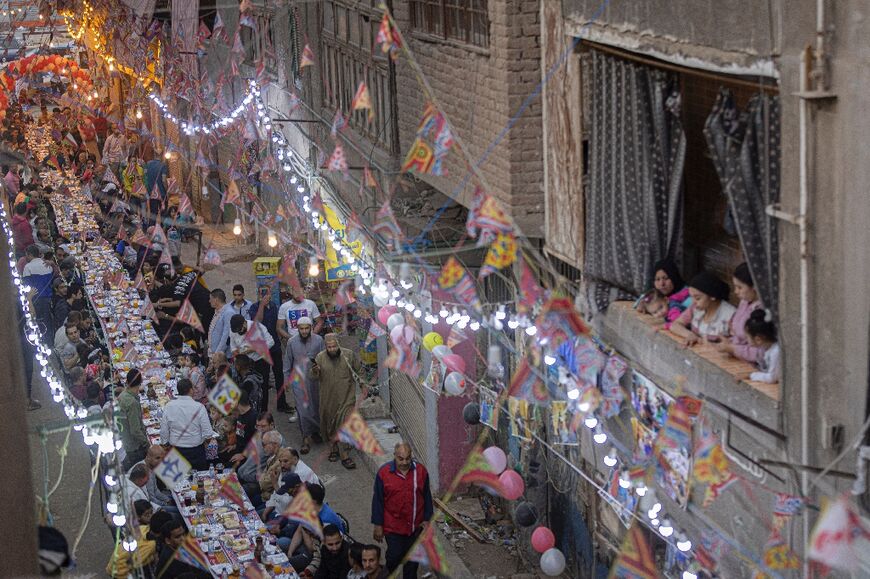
pixel 635 561
pixel 387 227
pixel 528 386
pixel 212 257
pixel 337 162
pixel 478 471
pixel 173 468
pixel 296 383
pixel 356 432
pixel 232 195
pixel 387 38
pixel 307 57
pixel 362 100
pixel 710 464
pixel 502 253
pixel 338 123
pixel 185 207
pixel 375 332
pixel 302 510
pixel 419 158
pixel 841 537
pixel 677 430
pixel 187 315
pixel 148 310
pixel 255 337
pixel 429 552
pixel 110 177
pixel 530 291
pixel 456 280
pixel 225 394
pixel 778 555
pixel 189 552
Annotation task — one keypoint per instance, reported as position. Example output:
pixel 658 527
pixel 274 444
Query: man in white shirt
pixel 241 344
pixel 239 304
pixel 303 470
pixel 292 310
pixel 135 483
pixel 186 426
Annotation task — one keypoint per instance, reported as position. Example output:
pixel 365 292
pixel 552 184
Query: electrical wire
pixel 87 517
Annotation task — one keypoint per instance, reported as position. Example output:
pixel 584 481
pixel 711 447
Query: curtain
pixel 634 203
pixel 745 150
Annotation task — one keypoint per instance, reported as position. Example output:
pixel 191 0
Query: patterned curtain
pixel 634 207
pixel 745 150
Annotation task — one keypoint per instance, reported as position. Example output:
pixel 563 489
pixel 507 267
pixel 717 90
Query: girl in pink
pixel 740 346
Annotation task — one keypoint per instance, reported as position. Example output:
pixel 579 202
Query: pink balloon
pixel 402 335
pixel 543 539
pixel 512 483
pixel 454 363
pixel 496 458
pixel 385 312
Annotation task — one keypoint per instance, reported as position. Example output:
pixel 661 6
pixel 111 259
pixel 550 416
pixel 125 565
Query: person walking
pixel 336 368
pixel 401 507
pixel 299 355
pixel 130 424
pixel 185 425
pixel 266 312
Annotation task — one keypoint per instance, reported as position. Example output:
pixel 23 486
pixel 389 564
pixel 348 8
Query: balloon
pixel 526 514
pixel 431 340
pixel 394 320
pixel 441 351
pixel 385 312
pixel 454 383
pixel 379 300
pixel 402 335
pixel 454 363
pixel 496 458
pixel 552 562
pixel 471 413
pixel 512 483
pixel 543 539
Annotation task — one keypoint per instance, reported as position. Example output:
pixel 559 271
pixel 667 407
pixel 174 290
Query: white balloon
pixel 440 351
pixel 552 562
pixel 454 383
pixel 394 320
pixel 379 300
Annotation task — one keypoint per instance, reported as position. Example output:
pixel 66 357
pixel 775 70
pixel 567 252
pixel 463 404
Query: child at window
pixel 710 314
pixel 761 332
pixel 744 289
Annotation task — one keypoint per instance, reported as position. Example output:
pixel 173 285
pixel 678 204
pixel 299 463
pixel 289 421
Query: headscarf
pixel 669 267
pixel 711 285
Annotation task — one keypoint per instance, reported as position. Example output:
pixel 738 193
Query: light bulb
pixel 610 458
pixel 683 544
pixel 574 394
pixel 549 359
pixel 110 478
pixel 689 575
pixel 237 226
pixel 443 313
pixel 624 481
pixel 583 406
pixel 119 520
pixel 591 422
pixel 130 545
pixel 167 155
pixel 313 267
pixel 641 490
pixel 532 330
pixel 112 505
pixel 273 239
pixel 513 324
pixel 138 114
pixel 655 522
pixel 96 95
pixel 599 437
pixel 111 67
pixel 666 529
pixel 474 326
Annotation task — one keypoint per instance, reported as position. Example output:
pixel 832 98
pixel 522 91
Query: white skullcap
pixel 304 321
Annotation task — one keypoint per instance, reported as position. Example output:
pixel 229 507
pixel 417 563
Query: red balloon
pixel 512 484
pixel 385 312
pixel 543 539
pixel 454 363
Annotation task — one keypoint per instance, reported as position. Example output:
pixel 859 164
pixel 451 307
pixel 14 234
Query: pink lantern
pixel 454 363
pixel 512 483
pixel 385 312
pixel 543 539
pixel 402 335
pixel 496 459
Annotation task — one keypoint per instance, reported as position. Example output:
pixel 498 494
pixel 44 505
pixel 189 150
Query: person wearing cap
pixel 709 316
pixel 240 344
pixel 130 425
pixel 278 501
pixel 298 356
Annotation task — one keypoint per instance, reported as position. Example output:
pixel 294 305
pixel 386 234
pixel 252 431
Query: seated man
pixel 372 563
pixel 252 472
pixel 303 470
pixel 333 561
pixel 168 567
pixel 162 498
pixel 327 517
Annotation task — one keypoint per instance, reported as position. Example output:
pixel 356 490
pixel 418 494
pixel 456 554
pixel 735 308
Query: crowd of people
pixel 271 471
pixel 700 312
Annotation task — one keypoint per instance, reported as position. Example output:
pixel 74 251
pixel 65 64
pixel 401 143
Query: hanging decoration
pixel 362 100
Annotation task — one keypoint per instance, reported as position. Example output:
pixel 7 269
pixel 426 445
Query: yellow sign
pixel 335 270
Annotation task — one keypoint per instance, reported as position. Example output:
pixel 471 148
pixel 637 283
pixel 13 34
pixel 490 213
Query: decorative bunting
pixel 429 552
pixel 339 122
pixel 296 382
pixel 255 337
pixel 189 552
pixel 677 430
pixel 777 554
pixel 455 280
pixel 388 38
pixel 478 471
pixel 337 162
pixel 710 465
pixel 455 337
pixel 530 291
pixel 635 560
pixel 487 219
pixel 375 332
pixel 387 227
pixel 786 505
pixel 212 257
pixel 402 358
pixel 307 57
pixel 232 492
pixel 841 537
pixel 502 253
pixel 526 385
pixel 185 207
pixel 302 510
pixel 147 310
pixel 419 158
pixel 362 100
pixel 225 394
pixel 287 274
pixel 344 295
pixel 172 469
pixel 356 432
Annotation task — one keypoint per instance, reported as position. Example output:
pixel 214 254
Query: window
pixel 462 20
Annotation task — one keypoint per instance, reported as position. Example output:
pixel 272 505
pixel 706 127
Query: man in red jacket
pixel 401 507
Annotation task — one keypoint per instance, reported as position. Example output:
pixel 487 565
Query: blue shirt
pixel 328 517
pixel 219 333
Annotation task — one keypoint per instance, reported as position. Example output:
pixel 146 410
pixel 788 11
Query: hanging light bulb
pixel 641 489
pixel 591 421
pixel 683 543
pixel 313 267
pixel 112 505
pixel 273 239
pixel 610 458
pixel 111 67
pixel 119 520
pixel 624 480
pixel 96 95
pixel 237 226
pixel 666 528
pixel 599 437
pixel 138 113
pixel 130 545
pixel 167 155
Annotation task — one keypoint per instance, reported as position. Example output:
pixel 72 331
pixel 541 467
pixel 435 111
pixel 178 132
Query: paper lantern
pixel 395 320
pixel 526 514
pixel 431 340
pixel 402 335
pixel 543 539
pixel 513 484
pixel 553 562
pixel 454 363
pixel 454 383
pixel 441 351
pixel 471 413
pixel 385 312
pixel 496 459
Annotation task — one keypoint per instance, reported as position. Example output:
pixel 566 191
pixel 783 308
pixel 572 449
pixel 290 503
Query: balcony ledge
pixel 659 354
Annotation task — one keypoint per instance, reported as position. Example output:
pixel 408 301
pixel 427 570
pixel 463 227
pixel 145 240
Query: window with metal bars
pixel 461 20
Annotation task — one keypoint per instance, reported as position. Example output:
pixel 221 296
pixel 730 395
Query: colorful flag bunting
pixel 173 468
pixel 710 465
pixel 429 552
pixel 402 358
pixel 487 219
pixel 502 253
pixel 387 227
pixel 677 430
pixel 338 161
pixel 225 394
pixel 307 57
pixel 478 471
pixel 419 158
pixel 296 383
pixel 530 291
pixel 456 280
pixel 777 554
pixel 302 510
pixel 635 560
pixel 232 493
pixel 375 332
pixel 255 337
pixel 362 100
pixel 528 386
pixel 212 257
pixel 189 552
pixel 388 38
pixel 841 537
pixel 356 432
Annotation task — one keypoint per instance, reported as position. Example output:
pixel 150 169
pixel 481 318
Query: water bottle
pixel 211 470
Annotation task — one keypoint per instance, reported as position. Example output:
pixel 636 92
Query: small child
pixel 354 557
pixel 761 333
pixel 663 307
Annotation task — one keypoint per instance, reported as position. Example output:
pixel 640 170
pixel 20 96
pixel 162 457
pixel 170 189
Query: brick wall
pixel 479 90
